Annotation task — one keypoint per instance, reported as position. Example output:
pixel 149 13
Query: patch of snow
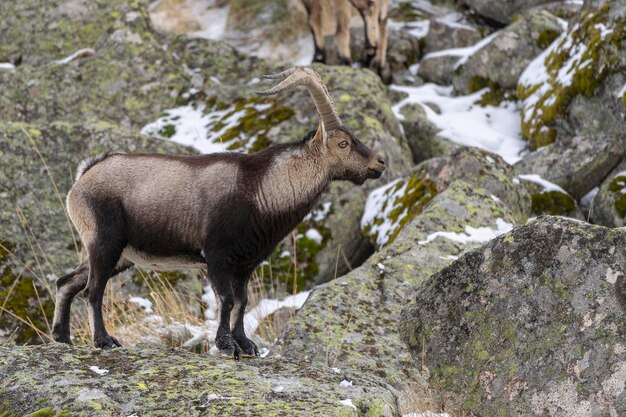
pixel 98 370
pixel 278 388
pixel 319 214
pixel 586 202
pixel 465 52
pixel 6 66
pixel 413 69
pixel 375 208
pixel 547 185
pixel 81 53
pixel 214 397
pixel 144 303
pixel 210 300
pixel 314 235
pixel 336 370
pixel 496 199
pixel 619 94
pixel 426 414
pixel 449 257
pixel 456 20
pixel 348 402
pixel 266 307
pixel 496 129
pixel 263 352
pixel 345 384
pixel 479 235
pixel 285 254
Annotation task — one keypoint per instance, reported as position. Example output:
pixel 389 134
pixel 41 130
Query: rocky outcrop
pixel 577 164
pixel 502 12
pixel 531 324
pixel 438 68
pixel 57 380
pixel 608 208
pixel 500 63
pixel 350 322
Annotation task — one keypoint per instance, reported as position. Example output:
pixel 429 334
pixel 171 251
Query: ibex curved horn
pixel 311 80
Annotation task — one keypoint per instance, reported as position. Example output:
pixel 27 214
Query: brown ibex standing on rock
pixel 224 212
pixel 338 12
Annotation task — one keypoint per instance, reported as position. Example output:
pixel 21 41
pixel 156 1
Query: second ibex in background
pixel 223 212
pixel 335 14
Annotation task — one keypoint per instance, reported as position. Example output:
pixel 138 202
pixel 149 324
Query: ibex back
pixel 224 212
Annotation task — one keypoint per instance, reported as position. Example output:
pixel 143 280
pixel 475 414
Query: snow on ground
pixel 144 303
pixel 98 370
pixel 81 53
pixel 463 53
pixel 496 129
pixel 479 235
pixel 375 208
pixel 6 66
pixel 547 185
pixel 348 402
pixel 267 307
pixel 193 125
pixel 426 414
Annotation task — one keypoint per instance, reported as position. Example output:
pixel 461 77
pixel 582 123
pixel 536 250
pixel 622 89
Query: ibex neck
pixel 292 184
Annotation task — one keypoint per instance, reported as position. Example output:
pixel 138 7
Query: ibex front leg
pixel 240 289
pixel 224 340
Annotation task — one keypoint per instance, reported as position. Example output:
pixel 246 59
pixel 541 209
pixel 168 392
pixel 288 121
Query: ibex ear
pixel 321 136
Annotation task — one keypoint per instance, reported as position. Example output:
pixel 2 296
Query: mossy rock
pixel 149 381
pixel 589 53
pixel 554 203
pixel 535 314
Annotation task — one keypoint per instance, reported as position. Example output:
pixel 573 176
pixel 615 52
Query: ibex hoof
pixel 228 347
pixel 106 342
pixel 248 348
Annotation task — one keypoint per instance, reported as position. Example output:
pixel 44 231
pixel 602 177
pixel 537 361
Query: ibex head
pixel 333 145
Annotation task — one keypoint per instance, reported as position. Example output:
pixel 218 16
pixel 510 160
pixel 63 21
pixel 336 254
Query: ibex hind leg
pixel 67 287
pixel 105 254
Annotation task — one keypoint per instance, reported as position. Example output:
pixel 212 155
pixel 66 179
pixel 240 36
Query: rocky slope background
pixel 483 275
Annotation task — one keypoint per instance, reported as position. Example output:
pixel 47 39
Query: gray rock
pixel 609 205
pixel 577 164
pixel 421 135
pixel 531 324
pixel 446 35
pixel 502 11
pixel 437 68
pixel 349 323
pixel 502 61
pixel 142 380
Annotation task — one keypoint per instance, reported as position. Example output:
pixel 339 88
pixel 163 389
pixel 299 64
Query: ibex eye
pixel 343 144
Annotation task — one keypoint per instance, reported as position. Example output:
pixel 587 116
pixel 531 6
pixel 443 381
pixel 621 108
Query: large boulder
pixel 349 323
pixel 577 164
pixel 501 62
pixel 531 324
pixel 57 380
pixel 502 11
pixel 608 208
pixel 575 87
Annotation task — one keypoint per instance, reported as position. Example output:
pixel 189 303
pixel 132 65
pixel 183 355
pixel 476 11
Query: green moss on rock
pixel 588 55
pixel 616 186
pixel 552 202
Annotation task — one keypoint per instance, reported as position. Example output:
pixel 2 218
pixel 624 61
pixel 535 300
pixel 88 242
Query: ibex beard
pixel 223 212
